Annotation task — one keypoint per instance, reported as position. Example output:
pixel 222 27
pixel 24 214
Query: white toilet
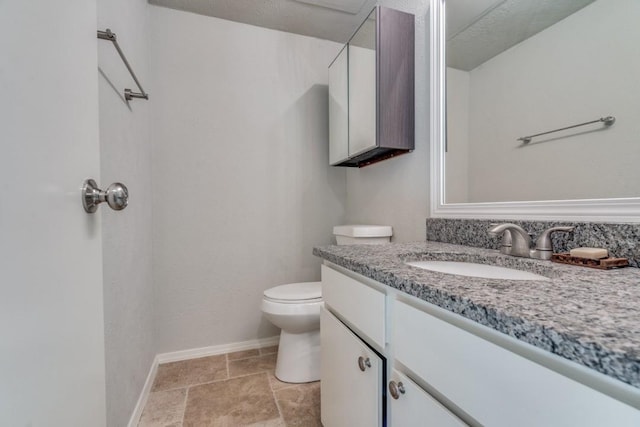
pixel 295 309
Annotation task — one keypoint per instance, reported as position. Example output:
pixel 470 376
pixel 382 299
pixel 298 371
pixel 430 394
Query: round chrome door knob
pixel 395 389
pixel 364 363
pixel 116 196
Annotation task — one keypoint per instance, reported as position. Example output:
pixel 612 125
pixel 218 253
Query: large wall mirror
pixel 535 109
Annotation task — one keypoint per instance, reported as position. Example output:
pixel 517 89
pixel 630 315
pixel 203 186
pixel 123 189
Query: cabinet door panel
pixel 415 407
pixel 349 397
pixel 338 108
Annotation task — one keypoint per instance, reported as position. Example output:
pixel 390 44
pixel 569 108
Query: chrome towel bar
pixel 128 93
pixel 607 121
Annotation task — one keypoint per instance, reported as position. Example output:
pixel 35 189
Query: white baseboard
pixel 144 395
pixel 194 353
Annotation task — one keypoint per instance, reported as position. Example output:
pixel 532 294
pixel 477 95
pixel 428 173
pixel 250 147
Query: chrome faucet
pixel 520 239
pixel 517 242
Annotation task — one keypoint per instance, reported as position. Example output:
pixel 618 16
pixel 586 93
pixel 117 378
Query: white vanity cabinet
pixel 352 372
pixel 446 370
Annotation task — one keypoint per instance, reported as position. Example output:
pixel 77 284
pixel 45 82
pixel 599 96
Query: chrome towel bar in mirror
pixel 607 121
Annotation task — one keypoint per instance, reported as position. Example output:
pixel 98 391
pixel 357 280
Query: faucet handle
pixel 544 241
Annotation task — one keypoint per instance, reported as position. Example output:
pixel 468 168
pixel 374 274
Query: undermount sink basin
pixel 472 269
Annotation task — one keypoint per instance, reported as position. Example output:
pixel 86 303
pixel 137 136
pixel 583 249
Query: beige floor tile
pixel 278 422
pixel 243 354
pixel 252 365
pixel 269 350
pixel 189 372
pixel 164 409
pixel 300 405
pixel 276 384
pixel 235 402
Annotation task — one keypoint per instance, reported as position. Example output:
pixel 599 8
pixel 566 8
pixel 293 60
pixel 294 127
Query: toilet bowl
pixel 295 309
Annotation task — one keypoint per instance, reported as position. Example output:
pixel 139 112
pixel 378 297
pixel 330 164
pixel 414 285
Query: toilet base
pixel 298 357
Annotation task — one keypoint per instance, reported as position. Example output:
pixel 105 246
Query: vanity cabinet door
pixel 415 407
pixel 351 386
pixel 338 108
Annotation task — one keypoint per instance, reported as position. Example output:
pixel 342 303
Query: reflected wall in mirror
pixel 523 67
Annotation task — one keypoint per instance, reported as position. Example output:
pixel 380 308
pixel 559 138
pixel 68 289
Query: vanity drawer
pixel 358 304
pixel 493 385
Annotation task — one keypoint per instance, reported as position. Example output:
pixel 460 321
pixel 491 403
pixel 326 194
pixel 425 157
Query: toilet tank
pixel 362 234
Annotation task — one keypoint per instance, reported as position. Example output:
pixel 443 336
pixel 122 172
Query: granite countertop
pixel 586 315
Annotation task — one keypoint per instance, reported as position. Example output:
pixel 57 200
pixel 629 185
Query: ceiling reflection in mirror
pixel 517 68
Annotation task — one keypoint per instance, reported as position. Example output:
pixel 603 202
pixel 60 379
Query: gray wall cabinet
pixel 371 91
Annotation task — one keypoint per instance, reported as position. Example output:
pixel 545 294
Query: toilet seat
pixel 295 293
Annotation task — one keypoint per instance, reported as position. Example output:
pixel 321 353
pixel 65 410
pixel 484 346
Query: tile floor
pixel 234 389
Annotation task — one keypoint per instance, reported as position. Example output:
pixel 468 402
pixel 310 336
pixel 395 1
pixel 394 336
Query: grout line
pixel 251 357
pixel 289 385
pixel 286 385
pixel 262 349
pixel 215 381
pixel 275 399
pixel 271 382
pixel 252 373
pixel 184 410
pixel 226 356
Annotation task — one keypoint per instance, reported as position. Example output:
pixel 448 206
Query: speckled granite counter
pixel 589 316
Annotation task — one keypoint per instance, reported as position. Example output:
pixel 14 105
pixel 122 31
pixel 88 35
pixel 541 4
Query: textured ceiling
pixel 326 19
pixel 496 25
pixel 463 13
pixel 349 6
pixel 477 30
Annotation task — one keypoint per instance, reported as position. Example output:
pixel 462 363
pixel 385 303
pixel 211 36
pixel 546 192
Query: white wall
pixel 242 187
pixel 396 192
pixel 126 156
pixel 580 69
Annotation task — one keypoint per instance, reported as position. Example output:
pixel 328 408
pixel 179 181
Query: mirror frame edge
pixel 599 210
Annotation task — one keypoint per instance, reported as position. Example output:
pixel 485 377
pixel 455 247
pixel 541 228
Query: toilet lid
pixel 295 292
